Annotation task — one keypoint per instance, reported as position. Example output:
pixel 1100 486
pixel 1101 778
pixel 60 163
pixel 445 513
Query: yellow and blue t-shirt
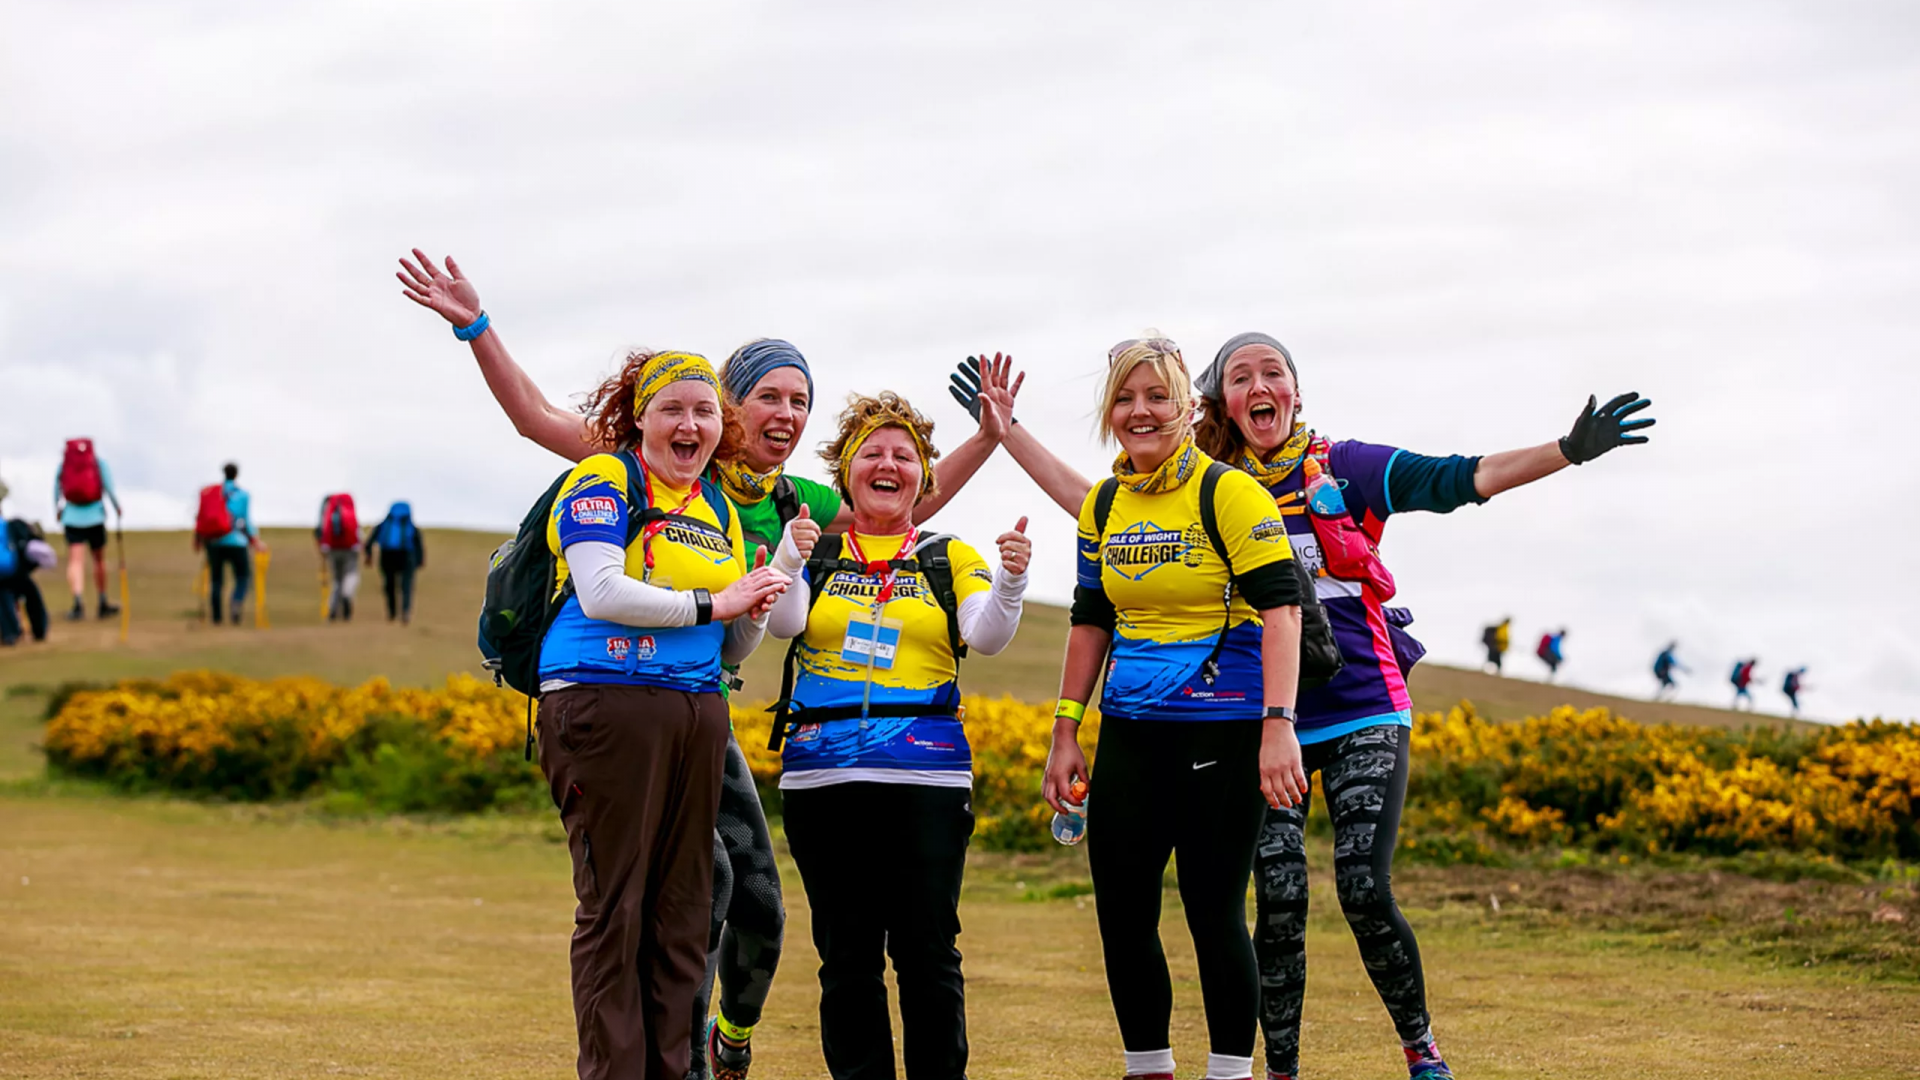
pixel 1155 581
pixel 913 664
pixel 692 551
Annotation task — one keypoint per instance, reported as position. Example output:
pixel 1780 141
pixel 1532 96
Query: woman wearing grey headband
pixel 1335 499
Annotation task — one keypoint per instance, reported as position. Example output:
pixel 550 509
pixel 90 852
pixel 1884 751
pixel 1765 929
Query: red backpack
pixel 80 474
pixel 214 520
pixel 339 528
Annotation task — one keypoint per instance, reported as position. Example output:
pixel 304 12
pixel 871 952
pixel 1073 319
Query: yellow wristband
pixel 1071 710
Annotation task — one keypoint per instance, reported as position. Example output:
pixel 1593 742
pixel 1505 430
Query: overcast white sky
pixel 1461 218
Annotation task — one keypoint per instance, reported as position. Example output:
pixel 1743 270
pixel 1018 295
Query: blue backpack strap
pixel 717 501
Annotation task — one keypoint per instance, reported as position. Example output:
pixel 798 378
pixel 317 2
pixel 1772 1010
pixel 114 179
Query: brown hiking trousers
pixel 636 773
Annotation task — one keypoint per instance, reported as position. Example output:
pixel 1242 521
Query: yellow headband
pixel 866 431
pixel 667 368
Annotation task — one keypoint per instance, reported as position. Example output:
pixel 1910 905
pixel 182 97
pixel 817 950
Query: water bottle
pixel 1070 828
pixel 1323 491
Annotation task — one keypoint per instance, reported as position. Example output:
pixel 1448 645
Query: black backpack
pixel 521 599
pixel 929 559
pixel 1320 658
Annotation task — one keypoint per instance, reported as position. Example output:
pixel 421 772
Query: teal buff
pixel 1208 384
pixel 751 362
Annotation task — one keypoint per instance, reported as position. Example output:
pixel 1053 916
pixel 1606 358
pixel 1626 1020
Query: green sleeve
pixel 822 502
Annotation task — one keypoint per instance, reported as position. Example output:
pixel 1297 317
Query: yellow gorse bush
pixel 1585 777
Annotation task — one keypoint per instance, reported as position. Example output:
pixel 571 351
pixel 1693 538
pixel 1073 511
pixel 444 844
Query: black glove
pixel 966 384
pixel 1599 430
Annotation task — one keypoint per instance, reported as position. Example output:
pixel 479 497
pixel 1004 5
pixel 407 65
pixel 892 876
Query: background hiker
pixel 1664 666
pixel 337 538
pixel 1552 651
pixel 224 527
pixel 403 550
pixel 1496 638
pixel 81 490
pixel 1742 680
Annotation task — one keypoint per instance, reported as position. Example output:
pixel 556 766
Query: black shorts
pixel 94 536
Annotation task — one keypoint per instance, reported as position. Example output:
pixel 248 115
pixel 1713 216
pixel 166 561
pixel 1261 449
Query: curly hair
pixel 610 419
pixel 864 415
pixel 1216 434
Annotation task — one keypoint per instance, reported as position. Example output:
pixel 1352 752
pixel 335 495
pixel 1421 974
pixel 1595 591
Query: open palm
pixel 449 293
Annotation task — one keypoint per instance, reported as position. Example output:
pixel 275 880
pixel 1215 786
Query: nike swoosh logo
pixel 1204 764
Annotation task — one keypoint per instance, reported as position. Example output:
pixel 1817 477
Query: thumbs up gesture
pixel 803 532
pixel 1015 548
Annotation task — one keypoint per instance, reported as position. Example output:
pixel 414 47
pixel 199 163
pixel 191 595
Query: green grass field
pixel 163 938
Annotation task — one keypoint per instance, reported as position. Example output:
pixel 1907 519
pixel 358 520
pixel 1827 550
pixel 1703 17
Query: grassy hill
pixel 168 634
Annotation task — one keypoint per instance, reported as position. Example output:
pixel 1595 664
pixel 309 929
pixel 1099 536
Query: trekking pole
pixel 260 597
pixel 325 607
pixel 120 544
pixel 201 583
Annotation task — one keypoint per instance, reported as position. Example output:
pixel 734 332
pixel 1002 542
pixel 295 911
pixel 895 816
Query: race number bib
pixel 866 639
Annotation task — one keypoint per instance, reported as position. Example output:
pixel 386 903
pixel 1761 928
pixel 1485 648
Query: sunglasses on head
pixel 1163 346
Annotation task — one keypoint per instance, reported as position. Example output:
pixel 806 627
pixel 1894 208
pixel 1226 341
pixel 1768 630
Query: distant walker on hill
pixel 81 490
pixel 403 550
pixel 224 527
pixel 1664 666
pixel 1552 651
pixel 337 537
pixel 1497 638
pixel 1742 680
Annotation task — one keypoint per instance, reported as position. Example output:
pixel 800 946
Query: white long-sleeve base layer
pixel 608 593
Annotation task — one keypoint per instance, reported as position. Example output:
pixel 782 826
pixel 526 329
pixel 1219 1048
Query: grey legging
pixel 1365 776
pixel 749 920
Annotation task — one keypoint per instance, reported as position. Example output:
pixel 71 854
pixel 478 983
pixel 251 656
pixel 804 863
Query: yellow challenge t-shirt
pixel 912 663
pixel 692 551
pixel 1167 586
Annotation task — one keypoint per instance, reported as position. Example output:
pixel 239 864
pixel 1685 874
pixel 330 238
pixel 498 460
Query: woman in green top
pixel 770 382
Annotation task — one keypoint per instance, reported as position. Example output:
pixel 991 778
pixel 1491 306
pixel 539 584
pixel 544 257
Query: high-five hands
pixel 986 389
pixel 1599 430
pixel 1015 549
pixel 449 293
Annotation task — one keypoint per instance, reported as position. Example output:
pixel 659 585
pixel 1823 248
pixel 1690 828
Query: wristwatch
pixel 702 607
pixel 1282 712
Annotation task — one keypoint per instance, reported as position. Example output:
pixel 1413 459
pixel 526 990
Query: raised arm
pixel 534 417
pixel 1595 431
pixel 989 390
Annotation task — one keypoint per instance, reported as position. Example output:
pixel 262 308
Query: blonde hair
pixel 1163 356
pixel 865 415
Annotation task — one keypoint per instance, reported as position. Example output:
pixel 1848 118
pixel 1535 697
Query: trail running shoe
pixel 724 1060
pixel 108 611
pixel 79 611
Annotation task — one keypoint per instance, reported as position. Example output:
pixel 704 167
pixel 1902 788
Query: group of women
pixel 679 541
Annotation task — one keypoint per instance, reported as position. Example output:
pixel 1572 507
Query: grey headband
pixel 1208 384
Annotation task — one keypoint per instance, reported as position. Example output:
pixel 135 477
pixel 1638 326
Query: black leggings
pixel 1161 787
pixel 220 559
pixel 882 865
pixel 749 920
pixel 396 578
pixel 1365 774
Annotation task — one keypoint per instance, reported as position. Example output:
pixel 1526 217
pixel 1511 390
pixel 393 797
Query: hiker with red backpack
pixel 1742 680
pixel 224 527
pixel 337 538
pixel 81 490
pixel 1552 651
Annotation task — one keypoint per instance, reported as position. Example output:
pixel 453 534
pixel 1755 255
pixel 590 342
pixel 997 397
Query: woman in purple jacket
pixel 1335 499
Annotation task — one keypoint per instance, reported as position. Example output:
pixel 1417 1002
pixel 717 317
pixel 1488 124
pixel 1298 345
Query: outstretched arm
pixel 1595 431
pixel 534 417
pixel 990 389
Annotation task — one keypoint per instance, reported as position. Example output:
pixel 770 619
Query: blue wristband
pixel 468 333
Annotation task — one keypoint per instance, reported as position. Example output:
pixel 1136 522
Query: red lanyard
pixel 652 529
pixel 882 569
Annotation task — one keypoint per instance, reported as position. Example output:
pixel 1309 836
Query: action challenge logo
pixel 1139 550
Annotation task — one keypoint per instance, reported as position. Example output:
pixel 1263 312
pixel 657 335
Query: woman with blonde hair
pixel 876 771
pixel 1334 498
pixel 1187 598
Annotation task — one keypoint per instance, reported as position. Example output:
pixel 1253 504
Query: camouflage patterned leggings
pixel 749 920
pixel 1365 777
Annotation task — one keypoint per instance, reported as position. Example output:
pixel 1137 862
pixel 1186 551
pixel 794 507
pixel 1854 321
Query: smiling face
pixel 775 416
pixel 883 481
pixel 679 431
pixel 1261 396
pixel 1145 418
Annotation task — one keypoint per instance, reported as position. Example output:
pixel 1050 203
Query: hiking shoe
pixel 724 1060
pixel 108 611
pixel 79 610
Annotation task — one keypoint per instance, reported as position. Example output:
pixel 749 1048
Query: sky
pixel 1462 219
